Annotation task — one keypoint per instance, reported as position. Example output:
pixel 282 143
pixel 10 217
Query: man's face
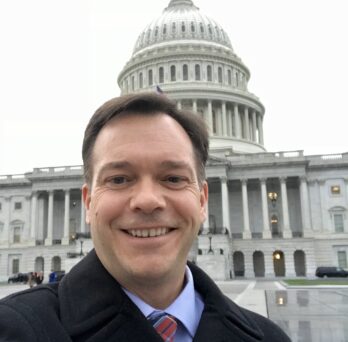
pixel 145 205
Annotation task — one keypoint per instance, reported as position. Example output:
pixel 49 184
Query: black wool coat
pixel 89 305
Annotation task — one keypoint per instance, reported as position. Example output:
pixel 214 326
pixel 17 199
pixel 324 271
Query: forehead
pixel 154 131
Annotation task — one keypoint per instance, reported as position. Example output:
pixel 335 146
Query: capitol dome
pixel 190 58
pixel 180 21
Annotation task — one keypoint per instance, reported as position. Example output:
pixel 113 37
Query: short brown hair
pixel 147 103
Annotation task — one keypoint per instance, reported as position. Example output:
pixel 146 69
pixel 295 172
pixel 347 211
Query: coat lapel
pixel 93 307
pixel 222 320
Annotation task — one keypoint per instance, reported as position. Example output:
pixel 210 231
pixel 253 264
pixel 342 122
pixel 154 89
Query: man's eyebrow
pixel 175 164
pixel 113 166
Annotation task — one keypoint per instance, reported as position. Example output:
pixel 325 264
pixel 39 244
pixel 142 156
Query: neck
pixel 159 294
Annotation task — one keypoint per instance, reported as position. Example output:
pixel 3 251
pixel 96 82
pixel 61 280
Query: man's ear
pixel 86 196
pixel 204 201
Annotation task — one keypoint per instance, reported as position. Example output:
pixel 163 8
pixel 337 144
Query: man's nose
pixel 147 197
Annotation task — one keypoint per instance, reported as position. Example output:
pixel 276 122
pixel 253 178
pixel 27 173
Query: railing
pixel 57 170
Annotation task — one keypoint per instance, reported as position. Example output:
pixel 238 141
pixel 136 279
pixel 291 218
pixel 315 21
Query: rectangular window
pixel 342 259
pixel 16 234
pixel 338 222
pixel 18 205
pixel 15 266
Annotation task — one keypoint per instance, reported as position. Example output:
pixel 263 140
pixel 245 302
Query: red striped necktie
pixel 165 326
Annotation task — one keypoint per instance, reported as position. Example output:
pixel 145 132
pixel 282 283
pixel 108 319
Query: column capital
pixel 283 179
pixel 223 179
pixel 244 181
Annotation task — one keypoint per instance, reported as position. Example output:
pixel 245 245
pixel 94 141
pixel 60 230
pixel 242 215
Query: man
pixel 145 197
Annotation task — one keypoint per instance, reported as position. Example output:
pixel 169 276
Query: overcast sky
pixel 60 60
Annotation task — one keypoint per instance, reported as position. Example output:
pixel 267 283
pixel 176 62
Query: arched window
pixel 133 83
pixel 220 74
pixel 210 30
pixel 229 76
pixel 197 72
pixel 161 75
pixel 185 72
pixel 173 73
pixel 237 80
pixel 183 26
pixel 141 80
pixel 201 27
pixel 56 263
pixel 148 35
pixel 156 32
pixel 126 86
pixel 192 27
pixel 150 77
pixel 173 27
pixel 209 73
pixel 164 29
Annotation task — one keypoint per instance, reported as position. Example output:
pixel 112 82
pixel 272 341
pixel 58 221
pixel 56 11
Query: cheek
pixel 106 208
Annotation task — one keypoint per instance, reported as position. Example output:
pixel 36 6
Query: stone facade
pixel 269 214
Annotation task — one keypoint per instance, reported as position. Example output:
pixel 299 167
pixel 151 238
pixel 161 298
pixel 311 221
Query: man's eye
pixel 118 180
pixel 174 179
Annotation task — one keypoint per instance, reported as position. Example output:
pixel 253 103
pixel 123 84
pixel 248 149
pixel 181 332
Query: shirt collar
pixel 187 307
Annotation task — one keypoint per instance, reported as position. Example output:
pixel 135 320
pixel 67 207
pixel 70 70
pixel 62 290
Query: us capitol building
pixel 270 214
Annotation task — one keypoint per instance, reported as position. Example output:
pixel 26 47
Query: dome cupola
pixel 182 21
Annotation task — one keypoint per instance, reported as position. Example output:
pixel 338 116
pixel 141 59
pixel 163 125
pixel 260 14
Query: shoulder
pixel 26 315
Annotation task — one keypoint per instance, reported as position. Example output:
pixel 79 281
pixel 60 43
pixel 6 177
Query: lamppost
pixel 81 244
pixel 210 250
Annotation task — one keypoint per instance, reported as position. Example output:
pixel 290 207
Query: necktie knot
pixel 165 325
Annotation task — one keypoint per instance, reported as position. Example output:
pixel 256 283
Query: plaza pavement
pixel 306 314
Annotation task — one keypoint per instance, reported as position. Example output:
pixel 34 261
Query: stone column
pixel 224 118
pixel 249 265
pixel 7 211
pixel 246 123
pixel 254 125
pixel 289 264
pixel 269 268
pixel 210 116
pixel 266 234
pixel 285 209
pixel 259 119
pixel 194 106
pixel 246 224
pixel 49 237
pixel 306 221
pixel 322 192
pixel 225 205
pixel 33 221
pixel 83 216
pixel 65 240
pixel 236 121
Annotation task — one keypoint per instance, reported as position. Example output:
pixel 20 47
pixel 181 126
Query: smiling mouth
pixel 146 233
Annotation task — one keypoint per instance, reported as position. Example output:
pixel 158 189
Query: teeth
pixel 144 233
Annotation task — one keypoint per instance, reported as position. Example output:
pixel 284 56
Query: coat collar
pixel 92 303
